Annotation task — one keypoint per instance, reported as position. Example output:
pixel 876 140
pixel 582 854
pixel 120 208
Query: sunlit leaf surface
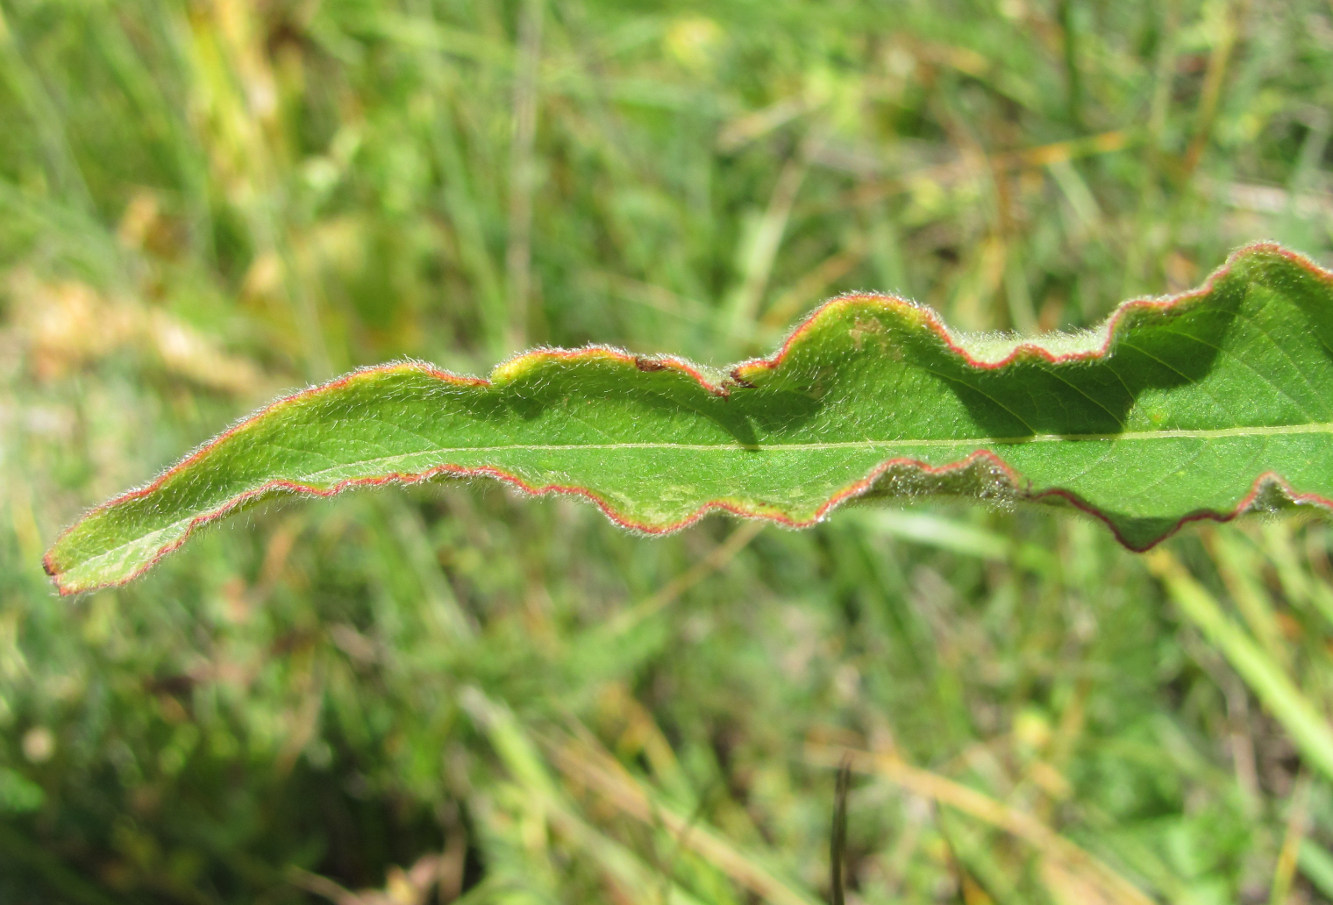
pixel 1204 405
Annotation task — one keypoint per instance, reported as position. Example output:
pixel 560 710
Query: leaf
pixel 1206 405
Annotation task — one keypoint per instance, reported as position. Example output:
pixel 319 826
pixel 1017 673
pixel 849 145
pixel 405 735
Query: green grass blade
pixel 1205 405
pixel 1301 718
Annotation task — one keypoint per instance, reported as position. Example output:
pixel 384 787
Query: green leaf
pixel 1205 405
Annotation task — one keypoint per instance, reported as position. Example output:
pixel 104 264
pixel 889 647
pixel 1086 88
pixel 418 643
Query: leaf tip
pixel 56 574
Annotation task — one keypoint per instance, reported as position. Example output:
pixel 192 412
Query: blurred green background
pixel 453 694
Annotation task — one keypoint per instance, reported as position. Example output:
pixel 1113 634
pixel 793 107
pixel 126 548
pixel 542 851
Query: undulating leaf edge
pixel 738 376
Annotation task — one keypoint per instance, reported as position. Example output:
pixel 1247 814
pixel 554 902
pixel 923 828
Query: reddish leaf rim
pixel 738 376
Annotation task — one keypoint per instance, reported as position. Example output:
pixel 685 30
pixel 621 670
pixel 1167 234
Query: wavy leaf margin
pixel 1003 479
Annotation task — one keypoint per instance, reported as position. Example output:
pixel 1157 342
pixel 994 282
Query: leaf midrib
pixel 981 442
pixel 933 443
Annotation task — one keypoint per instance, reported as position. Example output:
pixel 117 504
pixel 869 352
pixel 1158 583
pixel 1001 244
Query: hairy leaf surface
pixel 1204 405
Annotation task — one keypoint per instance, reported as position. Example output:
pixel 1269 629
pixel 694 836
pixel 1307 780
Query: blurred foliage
pixel 445 693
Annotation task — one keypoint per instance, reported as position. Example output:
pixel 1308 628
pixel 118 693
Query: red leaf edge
pixel 738 376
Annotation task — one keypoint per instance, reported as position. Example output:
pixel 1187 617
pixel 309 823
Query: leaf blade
pixel 1222 398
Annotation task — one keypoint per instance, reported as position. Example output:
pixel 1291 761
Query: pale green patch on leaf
pixel 1205 405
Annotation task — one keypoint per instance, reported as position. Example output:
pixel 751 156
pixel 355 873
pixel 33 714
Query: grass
pixel 449 694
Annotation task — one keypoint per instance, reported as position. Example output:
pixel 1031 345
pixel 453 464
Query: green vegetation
pixel 447 690
pixel 1208 405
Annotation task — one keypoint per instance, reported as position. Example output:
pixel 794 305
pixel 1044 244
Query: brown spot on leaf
pixel 649 364
pixel 740 381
